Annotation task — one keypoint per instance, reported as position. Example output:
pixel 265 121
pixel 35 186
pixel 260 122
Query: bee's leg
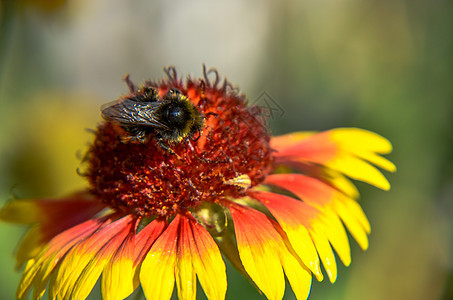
pixel 199 135
pixel 141 136
pixel 135 134
pixel 210 113
pixel 190 144
pixel 164 146
pixel 126 139
pixel 161 142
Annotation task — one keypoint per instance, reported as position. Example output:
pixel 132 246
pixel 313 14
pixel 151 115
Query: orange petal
pixel 258 244
pixel 84 263
pixel 294 216
pixel 186 279
pixel 317 148
pixel 50 218
pixel 29 211
pixel 196 255
pixel 38 270
pixel 288 140
pixel 351 151
pixel 361 139
pixel 157 273
pixel 299 276
pixel 310 190
pixel 27 279
pixel 325 198
pixel 145 239
pixel 340 182
pixel 30 246
pixel 207 262
pixel 324 226
pixel 117 280
pixel 325 253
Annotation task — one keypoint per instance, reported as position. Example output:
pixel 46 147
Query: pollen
pixel 230 154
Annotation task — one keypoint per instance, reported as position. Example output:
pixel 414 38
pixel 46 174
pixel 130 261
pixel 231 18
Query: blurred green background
pixel 385 66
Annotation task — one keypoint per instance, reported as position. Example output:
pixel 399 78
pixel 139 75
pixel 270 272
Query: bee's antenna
pixel 171 73
pixel 130 84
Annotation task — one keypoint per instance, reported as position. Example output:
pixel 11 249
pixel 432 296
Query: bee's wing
pixel 130 112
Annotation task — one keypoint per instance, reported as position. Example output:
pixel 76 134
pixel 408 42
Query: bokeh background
pixel 386 66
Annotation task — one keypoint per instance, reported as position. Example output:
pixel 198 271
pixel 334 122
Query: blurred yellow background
pixel 385 66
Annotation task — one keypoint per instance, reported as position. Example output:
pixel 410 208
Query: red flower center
pixel 231 154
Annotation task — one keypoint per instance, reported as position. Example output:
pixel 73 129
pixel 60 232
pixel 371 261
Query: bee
pixel 169 119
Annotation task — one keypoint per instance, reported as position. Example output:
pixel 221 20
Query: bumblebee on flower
pixel 161 207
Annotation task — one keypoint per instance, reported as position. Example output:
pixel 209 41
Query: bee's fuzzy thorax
pixel 144 179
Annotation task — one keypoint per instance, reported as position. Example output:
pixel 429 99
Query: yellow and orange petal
pixel 39 268
pixel 207 262
pixel 299 276
pixel 157 273
pixel 326 199
pixel 350 151
pixel 118 277
pixel 267 254
pixel 48 218
pixel 184 251
pixel 77 274
pixel 259 245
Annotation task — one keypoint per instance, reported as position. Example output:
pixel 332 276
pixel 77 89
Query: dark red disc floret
pixel 146 180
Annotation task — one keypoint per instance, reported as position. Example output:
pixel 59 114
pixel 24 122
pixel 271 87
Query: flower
pixel 154 216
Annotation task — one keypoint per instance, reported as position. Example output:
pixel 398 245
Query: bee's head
pixel 178 114
pixel 181 115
